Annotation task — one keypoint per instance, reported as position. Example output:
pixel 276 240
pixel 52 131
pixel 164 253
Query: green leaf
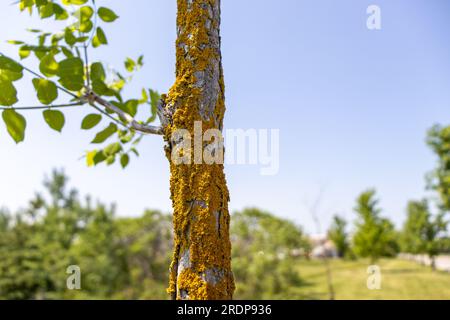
pixel 84 13
pixel 56 38
pixel 98 72
pixel 47 10
pixel 9 64
pixel 67 52
pixel 140 61
pixel 26 4
pixel 16 42
pixel 105 134
pixel 76 2
pixel 85 27
pixel 124 160
pixel 69 37
pixel 70 67
pixel 71 73
pixel 48 65
pixel 90 158
pixel 154 100
pixel 134 150
pixel 131 107
pixel 82 39
pixel 112 149
pixel 24 52
pixel 47 91
pixel 15 124
pixel 101 88
pixel 8 93
pixel 130 64
pixel 10 70
pixel 90 121
pixel 55 119
pixel 72 83
pixel 10 76
pixel 144 97
pixel 41 2
pixel 99 38
pixel 107 15
pixel 99 157
pixel 60 12
pixel 110 160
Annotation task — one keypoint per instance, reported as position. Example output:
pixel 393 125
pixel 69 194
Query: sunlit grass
pixel 400 280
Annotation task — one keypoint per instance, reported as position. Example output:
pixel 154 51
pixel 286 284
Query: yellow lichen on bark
pixel 198 191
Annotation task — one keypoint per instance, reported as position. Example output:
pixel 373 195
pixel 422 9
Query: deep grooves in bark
pixel 201 265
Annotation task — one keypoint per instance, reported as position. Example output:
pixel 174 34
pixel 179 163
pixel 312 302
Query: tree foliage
pixel 375 236
pixel 439 180
pixel 127 257
pixel 422 233
pixel 65 74
pixel 265 251
pixel 339 236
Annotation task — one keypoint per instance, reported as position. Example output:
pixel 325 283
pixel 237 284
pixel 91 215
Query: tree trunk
pixel 433 263
pixel 201 265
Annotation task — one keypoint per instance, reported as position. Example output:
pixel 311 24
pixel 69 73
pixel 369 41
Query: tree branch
pixel 91 97
pixel 69 105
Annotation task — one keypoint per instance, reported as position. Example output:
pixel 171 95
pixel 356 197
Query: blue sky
pixel 352 105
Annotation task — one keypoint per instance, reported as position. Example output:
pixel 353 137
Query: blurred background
pixel 364 173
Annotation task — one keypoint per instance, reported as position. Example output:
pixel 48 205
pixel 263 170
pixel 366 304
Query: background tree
pixel 22 267
pixel 127 257
pixel 439 180
pixel 265 252
pixel 201 263
pixel 422 234
pixel 339 236
pixel 375 236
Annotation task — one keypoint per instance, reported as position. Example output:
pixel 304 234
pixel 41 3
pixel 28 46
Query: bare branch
pixel 91 97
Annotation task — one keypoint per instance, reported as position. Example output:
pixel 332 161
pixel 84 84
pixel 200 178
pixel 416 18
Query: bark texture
pixel 201 266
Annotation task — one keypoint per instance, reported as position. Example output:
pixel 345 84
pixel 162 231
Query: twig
pixel 86 62
pixel 69 105
pixel 108 115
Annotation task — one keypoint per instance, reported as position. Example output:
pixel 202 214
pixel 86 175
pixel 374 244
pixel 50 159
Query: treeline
pixel 375 236
pixel 128 258
pixel 425 230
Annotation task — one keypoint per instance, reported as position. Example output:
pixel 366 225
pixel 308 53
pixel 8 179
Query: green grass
pixel 401 280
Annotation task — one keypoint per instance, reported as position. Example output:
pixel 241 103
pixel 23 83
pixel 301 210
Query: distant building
pixel 322 247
